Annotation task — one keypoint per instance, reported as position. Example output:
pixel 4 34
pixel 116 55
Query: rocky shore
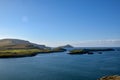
pixel 114 77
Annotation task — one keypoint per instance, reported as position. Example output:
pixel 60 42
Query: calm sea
pixel 61 66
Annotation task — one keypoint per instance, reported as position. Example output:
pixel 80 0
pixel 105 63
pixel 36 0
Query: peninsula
pixel 21 48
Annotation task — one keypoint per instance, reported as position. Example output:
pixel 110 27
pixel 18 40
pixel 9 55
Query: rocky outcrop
pixel 114 77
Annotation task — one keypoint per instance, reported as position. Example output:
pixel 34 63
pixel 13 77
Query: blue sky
pixel 58 22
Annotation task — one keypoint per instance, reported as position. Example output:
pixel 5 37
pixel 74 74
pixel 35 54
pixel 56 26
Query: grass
pixel 26 52
pixel 19 52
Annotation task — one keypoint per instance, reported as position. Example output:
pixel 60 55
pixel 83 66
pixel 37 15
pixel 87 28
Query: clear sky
pixel 58 22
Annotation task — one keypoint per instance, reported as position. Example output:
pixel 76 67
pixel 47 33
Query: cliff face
pixel 17 43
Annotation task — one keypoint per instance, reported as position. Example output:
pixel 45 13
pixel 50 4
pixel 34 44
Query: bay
pixel 61 66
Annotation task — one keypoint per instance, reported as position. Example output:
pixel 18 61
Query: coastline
pixel 16 53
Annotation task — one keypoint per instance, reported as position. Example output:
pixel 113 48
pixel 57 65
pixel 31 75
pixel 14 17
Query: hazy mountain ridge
pixel 67 46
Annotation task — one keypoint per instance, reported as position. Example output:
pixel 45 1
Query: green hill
pixel 18 44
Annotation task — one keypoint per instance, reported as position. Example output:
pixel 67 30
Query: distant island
pixel 67 46
pixel 89 51
pixel 22 48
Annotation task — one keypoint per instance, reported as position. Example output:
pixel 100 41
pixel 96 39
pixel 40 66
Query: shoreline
pixel 17 53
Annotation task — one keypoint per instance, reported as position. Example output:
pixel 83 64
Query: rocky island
pixel 89 51
pixel 67 46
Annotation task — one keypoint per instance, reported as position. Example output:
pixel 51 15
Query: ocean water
pixel 61 66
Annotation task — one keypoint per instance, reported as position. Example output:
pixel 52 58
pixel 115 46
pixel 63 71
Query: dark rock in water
pixel 99 52
pixel 90 53
pixel 117 49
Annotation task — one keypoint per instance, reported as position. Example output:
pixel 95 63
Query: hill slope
pixel 18 44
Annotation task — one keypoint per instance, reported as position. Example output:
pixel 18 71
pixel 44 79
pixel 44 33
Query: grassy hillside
pixel 18 53
pixel 26 52
pixel 18 44
pixel 22 48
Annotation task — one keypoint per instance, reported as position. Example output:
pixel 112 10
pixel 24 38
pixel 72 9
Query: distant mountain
pixel 18 44
pixel 67 46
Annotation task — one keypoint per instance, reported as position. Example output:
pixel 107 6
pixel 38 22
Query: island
pixel 66 46
pixel 89 51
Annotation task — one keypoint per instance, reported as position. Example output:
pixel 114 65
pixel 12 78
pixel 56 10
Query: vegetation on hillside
pixel 18 52
pixel 26 52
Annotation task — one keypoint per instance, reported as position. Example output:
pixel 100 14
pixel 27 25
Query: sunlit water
pixel 61 66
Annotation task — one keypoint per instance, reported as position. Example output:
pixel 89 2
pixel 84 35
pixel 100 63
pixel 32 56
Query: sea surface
pixel 61 66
